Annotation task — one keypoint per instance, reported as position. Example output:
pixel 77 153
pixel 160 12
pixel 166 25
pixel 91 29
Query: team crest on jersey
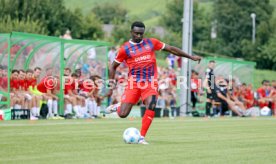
pixel 147 47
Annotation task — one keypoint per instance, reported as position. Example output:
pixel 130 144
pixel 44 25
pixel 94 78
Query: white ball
pixel 131 136
pixel 265 111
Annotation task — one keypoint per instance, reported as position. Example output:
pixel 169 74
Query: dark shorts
pixel 211 95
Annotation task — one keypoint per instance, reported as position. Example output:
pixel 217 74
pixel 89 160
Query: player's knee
pixel 122 114
pixel 124 111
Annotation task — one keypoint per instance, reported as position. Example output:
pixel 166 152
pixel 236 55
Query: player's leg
pixel 234 108
pixel 150 103
pixel 129 98
pixel 149 96
pixel 208 104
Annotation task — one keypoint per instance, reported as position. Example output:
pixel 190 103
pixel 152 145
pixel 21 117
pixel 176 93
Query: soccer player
pixel 47 86
pixel 139 55
pixel 209 84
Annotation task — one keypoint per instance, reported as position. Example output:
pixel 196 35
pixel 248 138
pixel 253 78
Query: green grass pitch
pixel 181 140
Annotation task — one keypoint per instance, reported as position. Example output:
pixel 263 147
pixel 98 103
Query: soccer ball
pixel 131 136
pixel 265 111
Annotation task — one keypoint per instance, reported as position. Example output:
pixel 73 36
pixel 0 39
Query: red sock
pixel 146 121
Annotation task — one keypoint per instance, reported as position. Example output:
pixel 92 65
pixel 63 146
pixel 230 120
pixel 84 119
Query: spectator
pixel 195 85
pixel 273 97
pixel 209 84
pixel 171 61
pixel 263 94
pixel 67 35
pixel 111 54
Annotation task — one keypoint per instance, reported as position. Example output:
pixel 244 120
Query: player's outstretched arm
pixel 112 70
pixel 111 76
pixel 178 52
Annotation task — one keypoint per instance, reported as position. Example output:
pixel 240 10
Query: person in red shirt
pixel 195 86
pixel 16 99
pixel 37 73
pixel 30 84
pixel 47 87
pixel 273 97
pixel 248 96
pixel 70 97
pixel 3 83
pixel 24 90
pixel 263 93
pixel 139 55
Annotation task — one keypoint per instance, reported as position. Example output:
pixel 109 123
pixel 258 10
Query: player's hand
pixel 196 58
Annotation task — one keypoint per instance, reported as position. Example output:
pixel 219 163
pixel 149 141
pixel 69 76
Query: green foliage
pixel 267 58
pixel 106 12
pixel 201 22
pixel 234 24
pixel 52 15
pixel 7 25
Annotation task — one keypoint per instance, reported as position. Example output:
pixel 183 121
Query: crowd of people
pixel 28 91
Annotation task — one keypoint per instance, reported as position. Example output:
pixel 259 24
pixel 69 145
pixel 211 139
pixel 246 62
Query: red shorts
pixel 139 90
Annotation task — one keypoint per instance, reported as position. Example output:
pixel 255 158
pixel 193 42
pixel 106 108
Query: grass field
pixel 181 140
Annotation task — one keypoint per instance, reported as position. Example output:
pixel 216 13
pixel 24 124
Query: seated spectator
pixel 111 55
pixel 263 94
pixel 273 97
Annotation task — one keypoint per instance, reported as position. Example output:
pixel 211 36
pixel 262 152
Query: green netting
pixel 240 71
pixel 4 74
pixel 27 51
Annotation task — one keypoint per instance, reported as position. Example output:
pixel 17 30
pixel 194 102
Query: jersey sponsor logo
pixel 142 58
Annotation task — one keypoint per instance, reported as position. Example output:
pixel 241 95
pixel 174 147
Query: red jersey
pixel 30 83
pixel 14 84
pixel 67 87
pixel 195 85
pixel 45 84
pixel 4 82
pixel 86 86
pixel 140 58
pixel 249 95
pixel 262 94
pixel 22 84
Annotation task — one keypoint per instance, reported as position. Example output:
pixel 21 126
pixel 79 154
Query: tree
pixel 52 15
pixel 7 25
pixel 267 58
pixel 234 25
pixel 201 21
pixel 108 11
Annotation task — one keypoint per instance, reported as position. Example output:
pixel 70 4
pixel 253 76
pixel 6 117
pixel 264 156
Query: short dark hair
pixel 74 75
pixel 137 24
pixel 212 61
pixel 265 81
pixel 37 68
pixel 67 68
pixel 94 77
pixel 21 70
pixel 29 71
pixel 15 71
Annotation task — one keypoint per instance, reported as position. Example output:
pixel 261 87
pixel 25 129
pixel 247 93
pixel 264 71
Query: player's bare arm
pixel 112 71
pixel 178 52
